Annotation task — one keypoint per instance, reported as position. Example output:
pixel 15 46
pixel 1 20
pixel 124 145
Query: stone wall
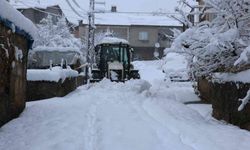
pixel 225 101
pixel 204 88
pixel 12 74
pixel 38 90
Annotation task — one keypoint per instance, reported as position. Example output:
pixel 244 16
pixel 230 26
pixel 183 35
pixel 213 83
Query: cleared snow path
pixel 137 115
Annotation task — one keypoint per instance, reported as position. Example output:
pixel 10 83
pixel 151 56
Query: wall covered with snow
pixel 49 89
pixel 56 74
pixel 13 62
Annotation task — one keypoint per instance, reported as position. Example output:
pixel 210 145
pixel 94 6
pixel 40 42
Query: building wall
pixel 118 31
pixel 12 74
pixel 144 49
pixel 134 36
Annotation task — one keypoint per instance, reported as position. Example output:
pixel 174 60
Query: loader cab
pixel 112 53
pixel 113 60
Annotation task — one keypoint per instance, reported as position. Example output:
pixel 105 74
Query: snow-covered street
pixel 146 114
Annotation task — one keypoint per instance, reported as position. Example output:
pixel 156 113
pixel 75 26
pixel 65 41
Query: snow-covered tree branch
pixel 244 101
pixel 216 45
pixel 57 34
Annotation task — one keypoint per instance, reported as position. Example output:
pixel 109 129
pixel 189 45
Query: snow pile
pixel 56 49
pixel 136 86
pixel 232 77
pixel 175 66
pixel 54 75
pixel 150 70
pixel 11 14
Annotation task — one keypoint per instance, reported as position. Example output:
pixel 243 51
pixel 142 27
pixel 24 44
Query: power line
pixel 53 7
pixel 73 9
pixel 74 1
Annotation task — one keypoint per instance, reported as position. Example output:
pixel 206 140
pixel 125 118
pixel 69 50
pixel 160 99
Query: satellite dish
pixel 157 45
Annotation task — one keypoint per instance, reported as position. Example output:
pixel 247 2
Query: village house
pixel 146 33
pixel 36 14
pixel 36 11
pixel 16 37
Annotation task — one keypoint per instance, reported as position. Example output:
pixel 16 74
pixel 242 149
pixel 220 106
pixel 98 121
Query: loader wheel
pixel 134 75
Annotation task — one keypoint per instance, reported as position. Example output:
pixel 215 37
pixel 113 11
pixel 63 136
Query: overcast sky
pixel 142 5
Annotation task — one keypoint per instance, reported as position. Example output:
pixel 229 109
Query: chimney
pixel 113 9
pixel 80 22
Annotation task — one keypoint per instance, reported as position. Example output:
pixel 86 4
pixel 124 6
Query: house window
pixel 143 36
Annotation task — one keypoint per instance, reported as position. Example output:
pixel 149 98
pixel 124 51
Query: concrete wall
pixel 12 74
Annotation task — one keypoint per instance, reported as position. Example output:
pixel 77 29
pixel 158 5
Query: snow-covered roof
pixel 113 40
pixel 129 19
pixel 7 12
pixel 110 18
pixel 43 4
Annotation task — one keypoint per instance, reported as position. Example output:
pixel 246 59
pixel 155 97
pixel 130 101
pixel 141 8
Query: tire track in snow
pixel 165 135
pixel 92 132
pixel 167 138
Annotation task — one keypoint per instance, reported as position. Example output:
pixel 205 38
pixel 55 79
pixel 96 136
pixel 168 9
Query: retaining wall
pixel 38 90
pixel 225 101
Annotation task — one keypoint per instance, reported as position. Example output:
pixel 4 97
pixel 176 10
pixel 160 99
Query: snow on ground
pixel 152 71
pixel 205 110
pixel 136 115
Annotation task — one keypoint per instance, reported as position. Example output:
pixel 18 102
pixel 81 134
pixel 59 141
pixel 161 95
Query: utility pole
pixel 91 31
pixel 91 36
